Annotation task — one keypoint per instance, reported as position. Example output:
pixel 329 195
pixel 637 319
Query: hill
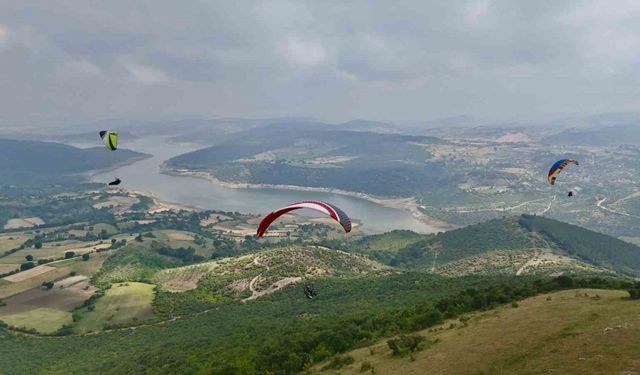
pixel 512 245
pixel 33 162
pixel 626 133
pixel 569 332
pixel 319 155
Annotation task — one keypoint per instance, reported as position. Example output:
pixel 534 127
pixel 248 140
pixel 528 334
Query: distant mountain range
pixel 613 135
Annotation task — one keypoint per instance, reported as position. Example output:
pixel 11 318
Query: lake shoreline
pixel 89 175
pixel 409 205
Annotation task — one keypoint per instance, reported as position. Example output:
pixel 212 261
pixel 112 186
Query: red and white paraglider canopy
pixel 328 209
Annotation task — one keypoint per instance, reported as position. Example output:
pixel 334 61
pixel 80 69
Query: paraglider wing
pixel 330 210
pixel 110 139
pixel 115 182
pixel 557 167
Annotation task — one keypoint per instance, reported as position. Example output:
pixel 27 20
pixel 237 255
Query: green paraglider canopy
pixel 110 139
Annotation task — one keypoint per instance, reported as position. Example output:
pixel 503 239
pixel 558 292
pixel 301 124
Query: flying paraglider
pixel 557 167
pixel 310 291
pixel 110 139
pixel 330 210
pixel 115 182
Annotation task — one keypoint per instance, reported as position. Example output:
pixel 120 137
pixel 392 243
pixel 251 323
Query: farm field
pixel 42 320
pixel 51 251
pixel 122 303
pixel 46 310
pixel 33 278
pixel 11 241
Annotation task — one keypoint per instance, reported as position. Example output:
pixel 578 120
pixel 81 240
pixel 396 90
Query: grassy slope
pixel 121 304
pixel 567 334
pixel 43 320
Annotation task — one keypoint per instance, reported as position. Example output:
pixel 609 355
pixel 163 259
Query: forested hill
pixel 32 162
pixel 317 155
pixel 598 136
pixel 512 241
pixel 590 246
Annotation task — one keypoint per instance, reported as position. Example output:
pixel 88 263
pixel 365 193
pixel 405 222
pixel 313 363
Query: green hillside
pixel 584 331
pixel 513 241
pixel 590 246
pixel 32 162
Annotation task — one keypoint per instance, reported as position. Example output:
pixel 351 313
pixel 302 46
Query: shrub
pixel 339 362
pixel 405 343
pixel 366 366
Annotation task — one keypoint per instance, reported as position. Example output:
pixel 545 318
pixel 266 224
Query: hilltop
pixel 569 332
pixel 516 245
pixel 318 155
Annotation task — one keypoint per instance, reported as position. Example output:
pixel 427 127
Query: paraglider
pixel 115 182
pixel 330 210
pixel 110 139
pixel 309 291
pixel 557 167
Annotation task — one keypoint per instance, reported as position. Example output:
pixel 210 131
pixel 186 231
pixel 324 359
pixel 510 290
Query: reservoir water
pixel 145 175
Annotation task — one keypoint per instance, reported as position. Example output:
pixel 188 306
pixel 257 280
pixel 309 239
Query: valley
pixel 124 270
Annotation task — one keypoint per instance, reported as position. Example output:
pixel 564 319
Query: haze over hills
pixel 32 162
pixel 613 135
pixel 316 155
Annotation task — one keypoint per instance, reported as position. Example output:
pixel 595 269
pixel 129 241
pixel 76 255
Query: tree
pixel 47 284
pixel 26 266
pixel 29 258
pixel 37 244
pixel 85 257
pixel 104 234
pixel 69 254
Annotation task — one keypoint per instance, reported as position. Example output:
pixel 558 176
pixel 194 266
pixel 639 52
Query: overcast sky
pixel 73 61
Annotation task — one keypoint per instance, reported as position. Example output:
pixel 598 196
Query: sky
pixel 73 61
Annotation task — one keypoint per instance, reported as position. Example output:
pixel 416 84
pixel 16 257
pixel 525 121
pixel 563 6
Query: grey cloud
pixel 78 60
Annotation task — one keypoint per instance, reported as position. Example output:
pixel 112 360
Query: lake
pixel 145 175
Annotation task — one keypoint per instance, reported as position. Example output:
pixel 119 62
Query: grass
pixel 32 282
pixel 30 309
pixel 565 332
pixel 50 251
pixel 9 242
pixel 123 303
pixel 179 238
pixel 43 320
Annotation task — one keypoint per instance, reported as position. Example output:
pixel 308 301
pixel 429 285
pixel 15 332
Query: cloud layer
pixel 405 60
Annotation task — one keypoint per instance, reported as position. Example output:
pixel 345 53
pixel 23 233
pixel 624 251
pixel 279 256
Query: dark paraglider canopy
pixel 115 182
